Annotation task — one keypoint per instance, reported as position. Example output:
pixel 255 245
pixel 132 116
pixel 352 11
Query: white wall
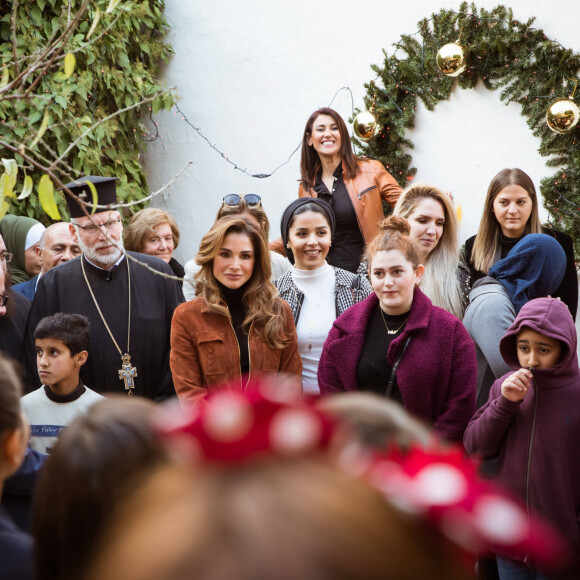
pixel 250 73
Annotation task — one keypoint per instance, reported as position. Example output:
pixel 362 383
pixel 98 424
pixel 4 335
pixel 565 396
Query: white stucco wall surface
pixel 250 73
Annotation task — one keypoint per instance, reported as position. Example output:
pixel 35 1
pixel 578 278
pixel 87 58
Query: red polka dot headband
pixel 442 486
pixel 437 485
pixel 232 427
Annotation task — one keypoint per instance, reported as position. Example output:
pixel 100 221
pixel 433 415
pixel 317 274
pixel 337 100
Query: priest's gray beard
pixel 102 259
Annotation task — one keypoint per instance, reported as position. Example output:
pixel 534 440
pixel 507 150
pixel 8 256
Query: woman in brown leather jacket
pixel 238 326
pixel 354 187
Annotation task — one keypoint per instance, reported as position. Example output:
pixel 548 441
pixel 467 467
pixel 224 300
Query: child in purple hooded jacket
pixel 531 423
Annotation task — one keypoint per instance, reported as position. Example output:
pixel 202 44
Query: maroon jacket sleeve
pixel 461 393
pixel 328 377
pixel 486 430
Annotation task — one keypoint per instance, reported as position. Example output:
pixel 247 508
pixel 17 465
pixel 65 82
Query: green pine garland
pixel 502 53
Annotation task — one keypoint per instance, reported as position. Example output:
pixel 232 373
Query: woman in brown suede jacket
pixel 354 187
pixel 238 327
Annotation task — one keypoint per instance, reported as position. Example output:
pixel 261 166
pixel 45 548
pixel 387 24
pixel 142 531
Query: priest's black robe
pixel 153 300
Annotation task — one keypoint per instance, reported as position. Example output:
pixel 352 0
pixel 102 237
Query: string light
pixel 225 157
pixel 392 70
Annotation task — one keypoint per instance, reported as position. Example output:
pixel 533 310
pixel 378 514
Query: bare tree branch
pixel 150 268
pixel 60 47
pixel 96 38
pixel 147 198
pixel 28 72
pixel 104 120
pixel 46 58
pixel 13 28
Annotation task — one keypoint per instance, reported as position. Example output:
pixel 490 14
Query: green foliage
pixel 116 68
pixel 503 54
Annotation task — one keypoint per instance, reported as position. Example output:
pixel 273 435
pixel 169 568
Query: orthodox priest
pixel 129 307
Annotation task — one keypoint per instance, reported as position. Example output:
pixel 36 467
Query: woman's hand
pixel 515 387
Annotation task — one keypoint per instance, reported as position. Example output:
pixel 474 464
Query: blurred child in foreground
pixel 259 489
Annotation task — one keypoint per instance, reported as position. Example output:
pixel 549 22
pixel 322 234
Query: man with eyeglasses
pixel 56 247
pixel 129 306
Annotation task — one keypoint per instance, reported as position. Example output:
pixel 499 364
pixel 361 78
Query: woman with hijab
pixel 534 268
pixel 22 238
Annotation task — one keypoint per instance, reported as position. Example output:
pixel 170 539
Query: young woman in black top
pixel 510 213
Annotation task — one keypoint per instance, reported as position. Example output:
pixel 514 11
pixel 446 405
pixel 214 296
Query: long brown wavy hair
pixel 310 162
pixel 264 309
pixel 487 238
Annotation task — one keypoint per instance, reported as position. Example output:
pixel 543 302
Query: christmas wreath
pixel 501 52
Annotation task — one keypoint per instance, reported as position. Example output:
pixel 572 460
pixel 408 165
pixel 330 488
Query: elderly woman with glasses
pixel 248 206
pixel 154 231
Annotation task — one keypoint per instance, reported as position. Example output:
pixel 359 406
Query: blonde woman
pixel 434 226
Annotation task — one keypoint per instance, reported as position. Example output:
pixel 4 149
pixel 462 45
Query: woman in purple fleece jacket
pixel 531 423
pixel 397 344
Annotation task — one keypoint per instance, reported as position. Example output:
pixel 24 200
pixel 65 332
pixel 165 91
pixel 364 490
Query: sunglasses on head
pixel 251 199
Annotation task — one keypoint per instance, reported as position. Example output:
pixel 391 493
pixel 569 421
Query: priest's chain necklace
pixel 126 373
pixel 389 331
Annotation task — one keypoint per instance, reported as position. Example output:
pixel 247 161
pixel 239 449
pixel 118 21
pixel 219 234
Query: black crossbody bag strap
pixel 395 367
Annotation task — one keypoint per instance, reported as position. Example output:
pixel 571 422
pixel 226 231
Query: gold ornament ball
pixel 451 59
pixel 365 125
pixel 562 116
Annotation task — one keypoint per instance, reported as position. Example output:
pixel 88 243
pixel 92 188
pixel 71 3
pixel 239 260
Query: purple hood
pixel 549 317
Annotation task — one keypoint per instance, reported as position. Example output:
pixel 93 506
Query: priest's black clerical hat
pixel 106 193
